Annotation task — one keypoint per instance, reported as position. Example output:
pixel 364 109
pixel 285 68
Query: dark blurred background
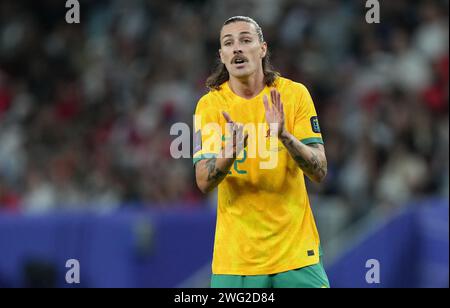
pixel 86 109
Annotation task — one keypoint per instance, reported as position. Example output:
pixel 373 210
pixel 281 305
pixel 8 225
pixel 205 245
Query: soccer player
pixel 265 233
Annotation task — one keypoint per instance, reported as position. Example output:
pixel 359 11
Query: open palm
pixel 274 113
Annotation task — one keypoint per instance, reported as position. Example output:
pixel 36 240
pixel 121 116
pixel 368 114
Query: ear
pixel 263 49
pixel 221 56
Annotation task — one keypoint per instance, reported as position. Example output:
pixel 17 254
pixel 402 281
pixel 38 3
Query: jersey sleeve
pixel 207 131
pixel 306 124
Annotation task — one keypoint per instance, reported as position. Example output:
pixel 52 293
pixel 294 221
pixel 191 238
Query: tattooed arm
pixel 310 158
pixel 210 172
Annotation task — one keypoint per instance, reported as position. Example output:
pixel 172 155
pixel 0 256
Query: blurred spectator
pixel 85 110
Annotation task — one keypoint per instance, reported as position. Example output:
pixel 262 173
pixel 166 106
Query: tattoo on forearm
pixel 312 166
pixel 289 142
pixel 214 174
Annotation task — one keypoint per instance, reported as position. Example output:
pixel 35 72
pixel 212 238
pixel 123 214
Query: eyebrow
pixel 229 35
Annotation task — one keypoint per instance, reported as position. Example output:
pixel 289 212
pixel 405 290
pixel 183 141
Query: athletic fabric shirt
pixel 264 220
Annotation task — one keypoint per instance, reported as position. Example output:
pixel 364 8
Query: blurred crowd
pixel 86 109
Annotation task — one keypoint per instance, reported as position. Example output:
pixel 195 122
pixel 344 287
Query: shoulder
pixel 215 97
pixel 290 86
pixel 208 101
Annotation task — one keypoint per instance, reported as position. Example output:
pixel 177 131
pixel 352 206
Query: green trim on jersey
pixel 203 156
pixel 312 276
pixel 312 140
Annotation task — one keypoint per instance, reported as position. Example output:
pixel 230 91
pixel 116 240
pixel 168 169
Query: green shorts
pixel 312 276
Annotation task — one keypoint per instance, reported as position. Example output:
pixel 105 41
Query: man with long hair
pixel 266 235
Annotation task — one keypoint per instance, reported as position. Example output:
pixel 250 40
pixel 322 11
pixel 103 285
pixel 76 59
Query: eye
pixel 228 43
pixel 247 40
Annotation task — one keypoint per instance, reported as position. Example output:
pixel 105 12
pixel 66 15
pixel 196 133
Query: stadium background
pixel 86 109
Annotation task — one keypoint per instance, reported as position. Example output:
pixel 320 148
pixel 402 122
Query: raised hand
pixel 239 141
pixel 274 114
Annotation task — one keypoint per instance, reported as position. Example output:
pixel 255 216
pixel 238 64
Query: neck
pixel 247 87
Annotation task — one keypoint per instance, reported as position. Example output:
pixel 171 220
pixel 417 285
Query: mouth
pixel 239 61
pixel 240 64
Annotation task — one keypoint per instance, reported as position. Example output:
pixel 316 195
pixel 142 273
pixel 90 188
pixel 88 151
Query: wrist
pixel 229 156
pixel 284 134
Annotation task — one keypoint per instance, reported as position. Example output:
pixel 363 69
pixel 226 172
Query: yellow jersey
pixel 265 224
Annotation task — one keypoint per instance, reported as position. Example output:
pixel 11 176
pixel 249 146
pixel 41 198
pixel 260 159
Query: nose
pixel 237 51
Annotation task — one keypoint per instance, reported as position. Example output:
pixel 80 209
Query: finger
pixel 245 140
pixel 241 136
pixel 275 101
pixel 239 145
pixel 227 117
pixel 274 98
pixel 266 103
pixel 239 132
pixel 281 108
pixel 278 95
pixel 234 131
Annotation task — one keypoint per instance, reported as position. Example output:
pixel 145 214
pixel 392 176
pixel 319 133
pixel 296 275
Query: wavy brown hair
pixel 220 73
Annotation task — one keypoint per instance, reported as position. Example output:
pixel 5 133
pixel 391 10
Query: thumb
pixel 227 117
pixel 245 140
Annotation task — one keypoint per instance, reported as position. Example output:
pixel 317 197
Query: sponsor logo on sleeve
pixel 315 124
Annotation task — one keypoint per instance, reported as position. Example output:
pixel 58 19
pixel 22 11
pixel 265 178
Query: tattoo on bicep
pixel 214 173
pixel 311 166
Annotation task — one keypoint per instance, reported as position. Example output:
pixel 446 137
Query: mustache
pixel 238 57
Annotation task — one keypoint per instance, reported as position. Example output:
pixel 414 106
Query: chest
pixel 253 112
